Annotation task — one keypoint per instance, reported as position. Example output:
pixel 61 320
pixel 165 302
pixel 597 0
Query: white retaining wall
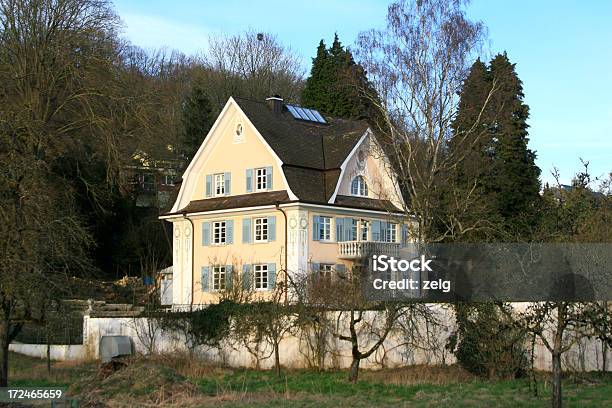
pixel 586 355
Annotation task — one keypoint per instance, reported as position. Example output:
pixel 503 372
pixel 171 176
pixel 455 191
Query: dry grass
pixel 419 374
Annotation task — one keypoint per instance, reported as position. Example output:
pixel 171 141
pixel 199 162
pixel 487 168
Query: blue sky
pixel 562 51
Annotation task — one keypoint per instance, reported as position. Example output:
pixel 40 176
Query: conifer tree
pixel 516 175
pixel 337 85
pixel 490 134
pixel 198 117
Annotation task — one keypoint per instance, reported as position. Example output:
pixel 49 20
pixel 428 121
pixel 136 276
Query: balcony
pixel 361 249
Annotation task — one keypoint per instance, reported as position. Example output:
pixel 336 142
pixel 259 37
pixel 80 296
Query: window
pixel 219 276
pixel 261 179
pixel 168 180
pixel 391 232
pixel 261 277
pixel 219 184
pixel 238 134
pixel 261 229
pixel 326 272
pixel 353 236
pixel 325 228
pixel 147 182
pixel 219 233
pixel 365 225
pixel 359 187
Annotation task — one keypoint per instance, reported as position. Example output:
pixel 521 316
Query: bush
pixel 486 343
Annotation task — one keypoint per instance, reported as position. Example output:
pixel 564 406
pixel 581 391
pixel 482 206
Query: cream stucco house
pixel 276 189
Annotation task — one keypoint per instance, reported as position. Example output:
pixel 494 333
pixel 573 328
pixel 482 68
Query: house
pixel 277 189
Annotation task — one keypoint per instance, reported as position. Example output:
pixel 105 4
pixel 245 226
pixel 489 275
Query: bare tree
pixel 252 65
pixel 417 66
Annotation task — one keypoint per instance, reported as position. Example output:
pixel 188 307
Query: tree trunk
pixel 277 360
pixel 557 400
pixel 4 343
pixel 354 371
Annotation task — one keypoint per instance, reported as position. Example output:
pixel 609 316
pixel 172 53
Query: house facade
pixel 274 190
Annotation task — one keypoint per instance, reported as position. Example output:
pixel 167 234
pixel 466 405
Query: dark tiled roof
pixel 312 153
pixel 237 201
pixel 302 143
pixel 366 203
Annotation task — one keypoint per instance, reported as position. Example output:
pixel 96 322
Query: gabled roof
pixel 311 152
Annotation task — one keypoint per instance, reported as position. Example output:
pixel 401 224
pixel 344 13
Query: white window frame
pixel 324 228
pixel 326 272
pixel 261 230
pixel 364 227
pixel 167 177
pixel 391 234
pixel 261 179
pixel 219 233
pixel 361 189
pixel 219 277
pixel 219 184
pixel 261 276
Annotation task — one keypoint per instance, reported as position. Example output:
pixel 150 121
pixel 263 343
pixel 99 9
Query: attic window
pixel 239 133
pixel 359 187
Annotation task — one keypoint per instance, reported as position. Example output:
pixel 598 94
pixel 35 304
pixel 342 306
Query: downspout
pixel 286 249
pixel 192 256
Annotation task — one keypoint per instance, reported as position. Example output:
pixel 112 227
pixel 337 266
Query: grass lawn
pixel 180 381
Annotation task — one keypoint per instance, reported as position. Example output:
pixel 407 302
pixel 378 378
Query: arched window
pixel 359 187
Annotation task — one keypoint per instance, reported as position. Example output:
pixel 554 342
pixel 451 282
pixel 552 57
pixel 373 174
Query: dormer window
pixel 359 187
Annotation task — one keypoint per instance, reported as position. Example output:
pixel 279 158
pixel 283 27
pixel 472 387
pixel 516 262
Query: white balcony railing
pixel 362 249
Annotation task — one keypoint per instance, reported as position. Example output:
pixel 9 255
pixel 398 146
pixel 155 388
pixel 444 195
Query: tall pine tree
pixel 197 119
pixel 337 85
pixel 490 138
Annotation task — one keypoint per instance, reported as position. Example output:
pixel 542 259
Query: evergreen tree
pixel 337 85
pixel 490 137
pixel 198 117
pixel 516 175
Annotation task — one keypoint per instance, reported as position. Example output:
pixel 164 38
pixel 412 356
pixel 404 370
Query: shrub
pixel 487 343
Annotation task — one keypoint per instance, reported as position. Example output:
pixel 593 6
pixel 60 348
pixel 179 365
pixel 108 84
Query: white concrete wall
pixel 70 352
pixel 584 356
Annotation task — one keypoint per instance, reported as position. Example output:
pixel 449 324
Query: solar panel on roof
pixel 309 115
pixel 301 112
pixel 318 116
pixel 293 112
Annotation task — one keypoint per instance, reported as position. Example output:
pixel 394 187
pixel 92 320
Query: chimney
pixel 275 103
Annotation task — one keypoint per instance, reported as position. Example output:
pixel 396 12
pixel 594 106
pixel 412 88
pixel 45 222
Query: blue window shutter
pixel 246 276
pixel 315 268
pixel 246 231
pixel 375 230
pixel 249 180
pixel 340 269
pixel 271 275
pixel 340 229
pixel 206 233
pixel 269 178
pixel 228 276
pixel 204 279
pixel 315 227
pixel 404 235
pixel 228 183
pixel 272 228
pixel 208 185
pixel 229 231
